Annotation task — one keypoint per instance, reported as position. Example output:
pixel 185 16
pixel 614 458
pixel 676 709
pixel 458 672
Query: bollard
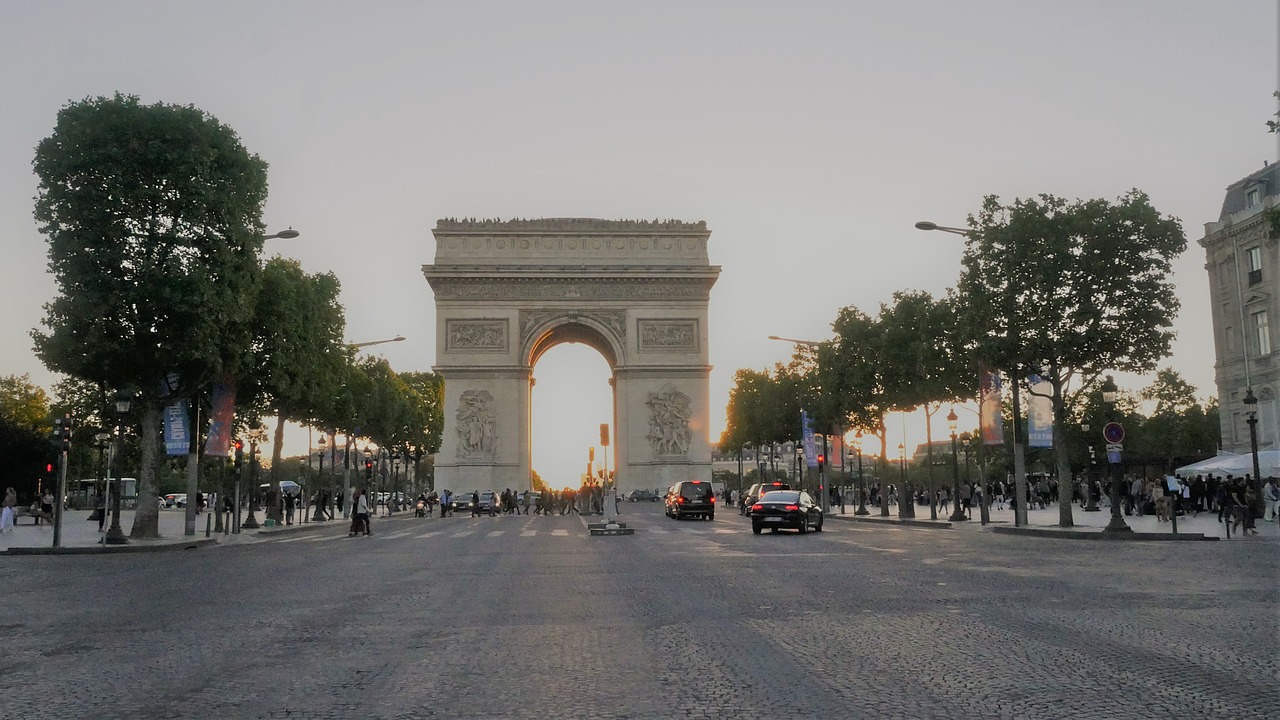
pixel 208 524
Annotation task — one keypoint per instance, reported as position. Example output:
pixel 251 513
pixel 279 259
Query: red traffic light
pixel 239 445
pixel 48 467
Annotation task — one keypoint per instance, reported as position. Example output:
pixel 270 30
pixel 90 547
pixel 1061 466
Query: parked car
pixel 755 491
pixel 691 498
pixel 176 500
pixel 642 495
pixel 786 509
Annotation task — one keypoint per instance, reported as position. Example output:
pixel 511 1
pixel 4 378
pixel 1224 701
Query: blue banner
pixel 177 438
pixel 810 450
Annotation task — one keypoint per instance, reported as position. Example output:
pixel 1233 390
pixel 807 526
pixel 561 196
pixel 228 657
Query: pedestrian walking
pixel 1271 493
pixel 6 514
pixel 290 503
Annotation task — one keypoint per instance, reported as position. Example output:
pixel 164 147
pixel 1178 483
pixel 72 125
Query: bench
pixel 35 515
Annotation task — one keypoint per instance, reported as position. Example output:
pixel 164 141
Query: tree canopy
pixel 153 218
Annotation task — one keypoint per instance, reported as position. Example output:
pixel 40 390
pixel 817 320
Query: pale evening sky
pixel 809 135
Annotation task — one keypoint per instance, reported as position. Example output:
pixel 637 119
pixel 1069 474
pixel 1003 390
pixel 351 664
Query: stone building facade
pixel 1243 264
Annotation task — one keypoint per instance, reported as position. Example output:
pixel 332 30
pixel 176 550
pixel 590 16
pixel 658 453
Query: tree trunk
pixel 274 498
pixel 146 517
pixel 1060 454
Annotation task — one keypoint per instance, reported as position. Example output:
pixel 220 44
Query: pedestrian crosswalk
pixel 524 533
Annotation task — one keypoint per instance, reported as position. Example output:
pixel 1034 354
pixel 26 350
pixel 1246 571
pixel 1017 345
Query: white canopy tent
pixel 1268 463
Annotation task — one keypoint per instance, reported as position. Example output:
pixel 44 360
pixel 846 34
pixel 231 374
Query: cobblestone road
pixel 529 617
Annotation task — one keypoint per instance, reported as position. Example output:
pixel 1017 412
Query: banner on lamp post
pixel 810 450
pixel 177 430
pixel 1039 413
pixel 989 418
pixel 221 419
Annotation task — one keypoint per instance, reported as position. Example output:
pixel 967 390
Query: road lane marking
pixel 528 533
pixel 496 533
pixel 424 536
pixel 560 532
pixel 463 533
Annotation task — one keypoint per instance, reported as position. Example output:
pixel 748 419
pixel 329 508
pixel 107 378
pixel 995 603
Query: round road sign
pixel 1113 432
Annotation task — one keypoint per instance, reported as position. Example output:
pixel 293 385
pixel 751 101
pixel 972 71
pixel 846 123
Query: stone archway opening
pixel 572 393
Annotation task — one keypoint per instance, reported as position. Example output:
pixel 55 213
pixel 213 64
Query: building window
pixel 1251 198
pixel 1253 258
pixel 1229 334
pixel 1262 332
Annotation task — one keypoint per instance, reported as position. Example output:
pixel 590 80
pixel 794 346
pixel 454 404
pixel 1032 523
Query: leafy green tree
pixel 299 350
pixel 1070 290
pixel 153 217
pixel 925 359
pixel 426 399
pixel 25 423
pixel 23 403
pixel 1179 430
pixel 856 376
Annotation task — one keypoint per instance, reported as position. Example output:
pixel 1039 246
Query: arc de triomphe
pixel 637 292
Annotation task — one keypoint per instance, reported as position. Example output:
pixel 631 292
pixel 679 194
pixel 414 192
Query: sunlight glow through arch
pixel 571 397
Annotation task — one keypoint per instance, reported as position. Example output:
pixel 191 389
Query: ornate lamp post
pixel 115 536
pixel 862 486
pixel 903 494
pixel 1113 433
pixel 320 511
pixel 958 513
pixel 1091 500
pixel 103 439
pixel 1251 413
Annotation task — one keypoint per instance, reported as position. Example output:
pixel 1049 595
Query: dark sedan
pixel 786 509
pixel 462 503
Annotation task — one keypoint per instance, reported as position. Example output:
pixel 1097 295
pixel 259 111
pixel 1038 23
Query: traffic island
pixel 881 520
pixel 134 546
pixel 1067 534
pixel 610 528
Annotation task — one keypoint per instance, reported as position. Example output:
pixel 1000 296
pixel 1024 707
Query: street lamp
pixel 902 486
pixel 321 486
pixel 100 514
pixel 115 536
pixel 288 234
pixel 398 338
pixel 1113 433
pixel 958 512
pixel 1251 417
pixel 1019 459
pixel 1091 500
pixel 862 486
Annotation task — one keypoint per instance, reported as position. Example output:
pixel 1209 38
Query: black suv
pixel 691 498
pixel 755 491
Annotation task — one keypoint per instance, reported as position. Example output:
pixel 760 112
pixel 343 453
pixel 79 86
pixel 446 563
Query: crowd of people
pixel 1227 496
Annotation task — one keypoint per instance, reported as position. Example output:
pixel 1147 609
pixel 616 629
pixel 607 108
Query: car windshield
pixel 780 496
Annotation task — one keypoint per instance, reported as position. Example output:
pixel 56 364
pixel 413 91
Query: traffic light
pixel 604 434
pixel 61 435
pixel 368 469
pixel 48 467
pixel 239 446
pixel 822 460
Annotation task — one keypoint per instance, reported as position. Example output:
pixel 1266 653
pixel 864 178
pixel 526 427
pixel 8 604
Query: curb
pixel 880 520
pixel 114 549
pixel 1105 536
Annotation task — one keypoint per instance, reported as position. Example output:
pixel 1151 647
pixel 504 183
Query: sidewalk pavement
pixel 81 536
pixel 1088 525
